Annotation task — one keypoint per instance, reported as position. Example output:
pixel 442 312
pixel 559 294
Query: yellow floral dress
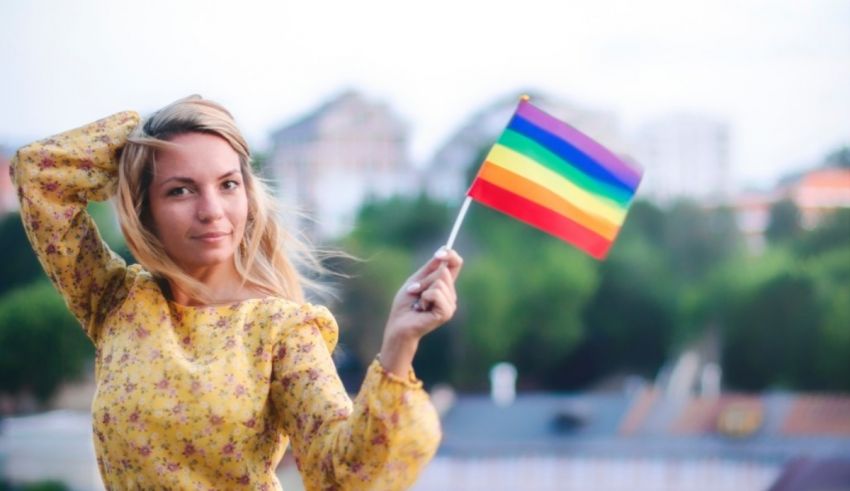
pixel 201 398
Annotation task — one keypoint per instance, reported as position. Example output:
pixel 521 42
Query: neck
pixel 223 283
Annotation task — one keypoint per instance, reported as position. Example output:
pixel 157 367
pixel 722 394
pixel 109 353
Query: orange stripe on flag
pixel 540 217
pixel 521 186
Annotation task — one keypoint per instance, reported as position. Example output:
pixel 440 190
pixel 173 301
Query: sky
pixel 777 71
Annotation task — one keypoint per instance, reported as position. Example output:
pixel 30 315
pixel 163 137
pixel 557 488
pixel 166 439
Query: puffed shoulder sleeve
pixel 55 179
pixel 381 440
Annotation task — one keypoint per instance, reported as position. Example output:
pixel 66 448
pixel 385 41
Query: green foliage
pixel 45 486
pixel 19 264
pixel 567 321
pixel 785 222
pixel 394 238
pixel 554 285
pixel 695 240
pixel 41 344
pixel 515 278
pixel 631 317
pixel 770 334
pixel 833 232
pixel 522 303
pixel 368 293
pixel 832 361
pixel 36 486
pixel 838 158
pixel 410 224
pixel 786 316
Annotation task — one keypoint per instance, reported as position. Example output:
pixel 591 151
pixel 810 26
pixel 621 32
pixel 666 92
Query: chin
pixel 209 259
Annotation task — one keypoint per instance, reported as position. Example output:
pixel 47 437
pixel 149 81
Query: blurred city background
pixel 710 351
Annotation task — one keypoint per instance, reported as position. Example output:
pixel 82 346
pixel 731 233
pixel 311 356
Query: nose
pixel 210 207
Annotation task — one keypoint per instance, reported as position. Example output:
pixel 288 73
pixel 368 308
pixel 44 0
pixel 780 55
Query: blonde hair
pixel 269 258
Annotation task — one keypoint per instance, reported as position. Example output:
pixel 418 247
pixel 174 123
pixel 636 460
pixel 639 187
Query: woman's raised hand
pixel 426 300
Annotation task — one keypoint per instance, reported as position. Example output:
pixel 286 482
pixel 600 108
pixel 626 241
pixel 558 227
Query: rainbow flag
pixel 547 174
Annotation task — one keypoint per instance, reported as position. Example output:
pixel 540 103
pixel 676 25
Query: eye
pixel 230 185
pixel 178 191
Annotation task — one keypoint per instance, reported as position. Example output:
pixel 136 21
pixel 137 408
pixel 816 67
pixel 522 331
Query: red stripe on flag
pixel 539 217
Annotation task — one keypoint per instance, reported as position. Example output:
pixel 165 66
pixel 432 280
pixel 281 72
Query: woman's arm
pixel 55 179
pixel 426 301
pixel 380 441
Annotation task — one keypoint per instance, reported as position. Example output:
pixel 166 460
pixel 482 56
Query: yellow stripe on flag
pixel 505 179
pixel 523 166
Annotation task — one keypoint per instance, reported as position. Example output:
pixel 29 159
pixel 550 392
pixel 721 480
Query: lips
pixel 211 236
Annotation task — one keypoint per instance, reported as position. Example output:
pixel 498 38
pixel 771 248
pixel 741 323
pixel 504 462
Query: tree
pixel 523 293
pixel 831 365
pixel 786 321
pixel 367 294
pixel 41 344
pixel 838 158
pixel 696 240
pixel 631 318
pixel 831 233
pixel 771 335
pixel 785 222
pixel 36 486
pixel 411 224
pixel 393 237
pixel 19 265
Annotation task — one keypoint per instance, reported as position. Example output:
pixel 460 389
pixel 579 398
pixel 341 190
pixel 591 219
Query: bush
pixel 41 344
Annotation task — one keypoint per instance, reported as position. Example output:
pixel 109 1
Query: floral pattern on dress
pixel 203 398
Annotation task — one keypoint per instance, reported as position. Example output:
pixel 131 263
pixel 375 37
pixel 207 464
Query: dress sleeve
pixel 55 179
pixel 380 441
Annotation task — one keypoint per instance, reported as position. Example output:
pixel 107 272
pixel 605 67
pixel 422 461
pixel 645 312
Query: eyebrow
pixel 189 180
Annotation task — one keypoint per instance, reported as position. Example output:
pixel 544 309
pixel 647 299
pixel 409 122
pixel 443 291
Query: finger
pixel 414 288
pixel 442 285
pixel 442 273
pixel 453 262
pixel 446 284
pixel 438 303
pixel 426 269
pixel 449 257
pixel 423 278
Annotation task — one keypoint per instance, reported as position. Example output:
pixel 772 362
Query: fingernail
pixel 441 253
pixel 413 287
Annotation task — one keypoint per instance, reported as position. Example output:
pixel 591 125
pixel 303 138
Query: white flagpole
pixel 462 213
pixel 421 307
pixel 458 221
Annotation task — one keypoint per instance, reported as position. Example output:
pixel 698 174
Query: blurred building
pixel 330 161
pixel 8 199
pixel 684 156
pixel 815 193
pixel 819 192
pixel 647 437
pixel 454 163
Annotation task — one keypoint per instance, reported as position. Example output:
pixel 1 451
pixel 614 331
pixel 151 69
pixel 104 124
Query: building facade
pixel 815 193
pixel 332 160
pixel 684 156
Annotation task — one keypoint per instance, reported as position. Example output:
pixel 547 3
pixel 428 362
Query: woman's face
pixel 198 201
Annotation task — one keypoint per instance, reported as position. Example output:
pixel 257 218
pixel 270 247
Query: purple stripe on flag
pixel 597 152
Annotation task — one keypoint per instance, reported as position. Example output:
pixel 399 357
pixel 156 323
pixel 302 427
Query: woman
pixel 208 361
